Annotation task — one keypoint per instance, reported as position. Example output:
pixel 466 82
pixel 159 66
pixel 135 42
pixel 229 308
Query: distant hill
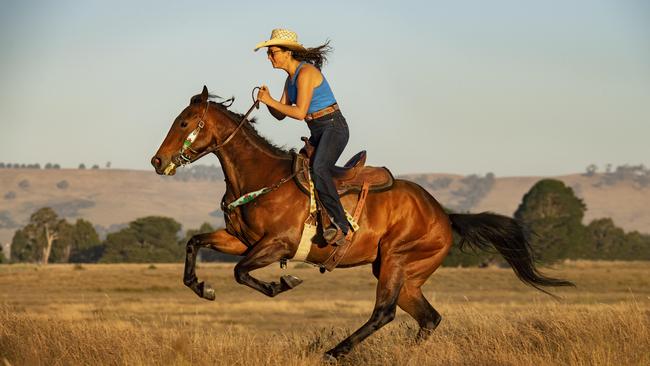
pixel 625 200
pixel 111 198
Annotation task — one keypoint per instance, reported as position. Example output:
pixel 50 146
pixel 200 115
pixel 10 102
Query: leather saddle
pixel 348 178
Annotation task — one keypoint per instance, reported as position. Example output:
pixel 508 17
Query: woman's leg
pixel 331 144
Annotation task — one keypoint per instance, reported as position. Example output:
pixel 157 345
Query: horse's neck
pixel 248 165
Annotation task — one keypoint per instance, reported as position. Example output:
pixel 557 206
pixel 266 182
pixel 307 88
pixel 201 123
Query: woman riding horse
pixel 307 95
pixel 404 232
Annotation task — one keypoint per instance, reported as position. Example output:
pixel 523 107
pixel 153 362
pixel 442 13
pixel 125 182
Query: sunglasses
pixel 272 53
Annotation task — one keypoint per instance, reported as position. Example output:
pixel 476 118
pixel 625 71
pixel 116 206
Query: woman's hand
pixel 263 95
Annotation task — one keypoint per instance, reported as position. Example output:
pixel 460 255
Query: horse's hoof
pixel 290 281
pixel 208 292
pixel 329 359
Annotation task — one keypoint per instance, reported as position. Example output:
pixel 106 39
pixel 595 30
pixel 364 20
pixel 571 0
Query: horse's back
pixel 406 203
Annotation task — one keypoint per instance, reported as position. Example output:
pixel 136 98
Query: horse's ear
pixel 204 94
pixel 200 98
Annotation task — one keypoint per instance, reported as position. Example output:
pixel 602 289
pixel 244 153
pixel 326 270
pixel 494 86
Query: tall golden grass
pixel 142 315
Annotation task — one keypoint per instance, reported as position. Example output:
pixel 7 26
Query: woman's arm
pixel 308 78
pixel 274 112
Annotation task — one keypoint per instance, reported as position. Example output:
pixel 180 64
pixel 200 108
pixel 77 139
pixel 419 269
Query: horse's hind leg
pixel 219 240
pixel 263 254
pixel 412 301
pixel 390 283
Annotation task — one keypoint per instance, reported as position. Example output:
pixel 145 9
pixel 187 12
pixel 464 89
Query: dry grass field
pixel 142 314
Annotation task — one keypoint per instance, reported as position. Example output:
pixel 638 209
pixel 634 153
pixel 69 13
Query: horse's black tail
pixel 511 240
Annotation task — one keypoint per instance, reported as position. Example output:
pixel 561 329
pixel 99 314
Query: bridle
pixel 183 159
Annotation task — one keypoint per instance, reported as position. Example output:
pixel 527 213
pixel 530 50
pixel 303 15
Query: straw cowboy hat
pixel 282 38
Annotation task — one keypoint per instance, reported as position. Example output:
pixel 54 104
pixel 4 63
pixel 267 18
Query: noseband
pixel 182 159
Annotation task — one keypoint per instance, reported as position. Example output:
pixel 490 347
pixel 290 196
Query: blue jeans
pixel 329 134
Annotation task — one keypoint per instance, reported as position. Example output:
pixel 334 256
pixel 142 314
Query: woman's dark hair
pixel 316 56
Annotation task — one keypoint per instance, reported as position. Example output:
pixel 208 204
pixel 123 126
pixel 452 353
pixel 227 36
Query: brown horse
pixel 404 232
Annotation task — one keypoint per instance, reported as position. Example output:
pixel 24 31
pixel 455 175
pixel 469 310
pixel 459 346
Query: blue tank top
pixel 321 98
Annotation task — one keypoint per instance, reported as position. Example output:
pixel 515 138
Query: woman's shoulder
pixel 310 72
pixel 308 68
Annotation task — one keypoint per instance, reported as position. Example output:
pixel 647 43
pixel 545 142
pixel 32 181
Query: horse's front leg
pixel 264 253
pixel 219 240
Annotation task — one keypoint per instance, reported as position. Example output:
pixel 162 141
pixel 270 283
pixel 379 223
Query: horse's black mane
pixel 249 127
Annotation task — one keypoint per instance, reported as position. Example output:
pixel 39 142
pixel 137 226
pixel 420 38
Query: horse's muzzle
pixel 161 168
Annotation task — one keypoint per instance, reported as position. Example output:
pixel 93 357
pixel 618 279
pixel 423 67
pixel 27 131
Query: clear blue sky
pixel 510 87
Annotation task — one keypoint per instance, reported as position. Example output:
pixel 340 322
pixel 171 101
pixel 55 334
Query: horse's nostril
pixel 155 161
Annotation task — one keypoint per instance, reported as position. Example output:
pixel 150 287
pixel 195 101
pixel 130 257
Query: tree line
pixel 28 166
pixel 46 166
pixel 47 238
pixel 550 209
pixel 195 172
pixel 637 174
pixel 554 214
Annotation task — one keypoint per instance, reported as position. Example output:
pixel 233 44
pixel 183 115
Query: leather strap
pixel 360 204
pixel 323 112
pixel 309 228
pixel 339 252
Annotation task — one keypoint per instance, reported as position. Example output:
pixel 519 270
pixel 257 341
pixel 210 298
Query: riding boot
pixel 334 235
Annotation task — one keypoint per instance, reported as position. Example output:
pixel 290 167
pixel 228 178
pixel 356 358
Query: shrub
pixel 62 184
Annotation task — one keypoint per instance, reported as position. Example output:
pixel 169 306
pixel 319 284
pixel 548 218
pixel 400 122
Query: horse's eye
pixel 184 124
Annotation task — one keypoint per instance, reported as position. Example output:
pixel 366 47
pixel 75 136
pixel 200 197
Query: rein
pixel 183 159
pixel 256 105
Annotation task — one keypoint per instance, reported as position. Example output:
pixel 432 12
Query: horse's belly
pixel 362 250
